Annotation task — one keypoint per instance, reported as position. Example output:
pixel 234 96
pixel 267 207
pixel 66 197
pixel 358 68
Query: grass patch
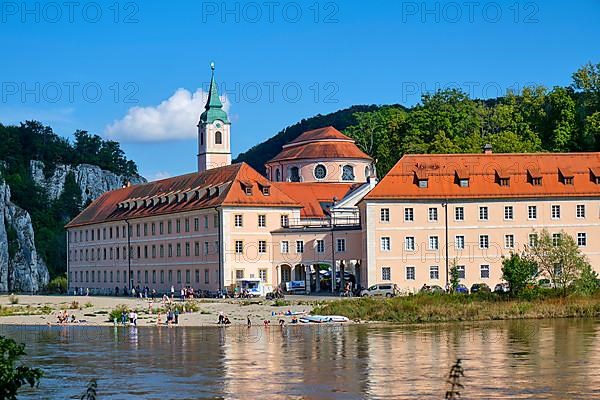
pixel 281 303
pixel 447 308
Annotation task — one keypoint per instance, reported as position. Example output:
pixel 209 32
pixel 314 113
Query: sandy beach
pixel 94 310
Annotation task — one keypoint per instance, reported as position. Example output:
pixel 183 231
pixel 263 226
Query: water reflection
pixel 509 359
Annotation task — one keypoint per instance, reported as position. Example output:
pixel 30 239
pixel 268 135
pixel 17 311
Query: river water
pixel 539 359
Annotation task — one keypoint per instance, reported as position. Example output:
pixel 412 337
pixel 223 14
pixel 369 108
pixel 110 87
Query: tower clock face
pixel 218 125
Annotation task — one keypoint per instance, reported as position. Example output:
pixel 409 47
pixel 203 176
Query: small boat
pixel 323 319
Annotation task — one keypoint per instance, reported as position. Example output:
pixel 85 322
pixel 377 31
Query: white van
pixel 380 289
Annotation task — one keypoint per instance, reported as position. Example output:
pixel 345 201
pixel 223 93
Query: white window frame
pixel 555 211
pixel 432 214
pixel 386 273
pixel 320 244
pixel 509 241
pixel 509 213
pixel 262 220
pixel 385 243
pixel 462 271
pixel 484 242
pixel 299 246
pixel 459 213
pixel 459 244
pixel 409 240
pixel 384 215
pixel 433 240
pixel 238 220
pixel 434 272
pixel 262 246
pixel 285 247
pixel 340 245
pixel 580 211
pixel 409 214
pixel 239 247
pixel 532 210
pixel 410 273
pixel 484 213
pixel 482 268
pixel 581 239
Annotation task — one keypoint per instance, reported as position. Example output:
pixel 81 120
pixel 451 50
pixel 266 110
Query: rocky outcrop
pixel 92 180
pixel 21 268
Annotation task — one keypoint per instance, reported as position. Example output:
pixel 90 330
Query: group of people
pixel 62 318
pixel 223 319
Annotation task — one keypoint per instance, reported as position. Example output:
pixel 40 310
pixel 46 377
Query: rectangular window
pixel 410 273
pixel 508 212
pixel 299 246
pixel 238 221
pixel 188 276
pixel 178 276
pixel 197 275
pixel 206 276
pixel 162 250
pixel 434 243
pixel 178 226
pixel 262 246
pixel 162 276
pixel 169 227
pixel 239 246
pixel 580 211
pixel 262 221
pixel 434 272
pixel 170 250
pixel 145 251
pixel 459 213
pixel 532 212
pixel 196 224
pixel 153 229
pixel 533 238
pixel 483 213
pixel 161 228
pixel 384 215
pixel 170 276
pixel 581 239
pixel 285 221
pixel 484 271
pixel 409 214
pixel 285 247
pixel 386 244
pixel 484 241
pixel 320 246
pixel 459 242
pixel 386 273
pixel 433 214
pixel 206 222
pixel 555 239
pixel 262 274
pixel 145 229
pixel 409 243
pixel 461 271
pixel 464 183
pixel 423 183
pixel 187 249
pixel 145 276
pixel 153 251
pixel 187 224
pixel 509 241
pixel 239 274
pixel 555 211
pixel 216 220
pixel 196 249
pixel 341 245
pixel 153 276
pixel 178 249
pixel 205 248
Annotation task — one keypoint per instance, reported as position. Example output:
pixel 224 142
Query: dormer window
pixel 463 182
pixel 503 177
pixel 423 183
pixel 534 176
pixel 504 181
pixel 536 181
pixel 565 175
pixel 266 190
pixel 462 177
pixel 248 190
pixel 595 175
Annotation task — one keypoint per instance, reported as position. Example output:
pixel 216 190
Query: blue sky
pixel 85 66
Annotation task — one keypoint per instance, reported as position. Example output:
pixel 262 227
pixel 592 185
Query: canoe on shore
pixel 323 318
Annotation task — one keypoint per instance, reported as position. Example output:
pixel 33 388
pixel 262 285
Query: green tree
pixel 518 271
pixel 12 378
pixel 587 283
pixel 454 277
pixel 558 258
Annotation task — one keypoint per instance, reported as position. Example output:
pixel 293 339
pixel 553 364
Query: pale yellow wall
pixel 496 227
pixel 307 167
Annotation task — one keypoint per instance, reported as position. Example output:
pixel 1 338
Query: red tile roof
pixel 326 133
pixel 483 173
pixel 216 187
pixel 312 196
pixel 321 144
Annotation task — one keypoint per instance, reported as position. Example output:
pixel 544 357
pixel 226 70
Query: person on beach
pixel 226 320
pixel 131 314
pixel 176 315
pixel 281 322
pixel 153 294
pixel 135 318
pixel 248 322
pixel 221 318
pixel 172 291
pixel 123 317
pixel 158 318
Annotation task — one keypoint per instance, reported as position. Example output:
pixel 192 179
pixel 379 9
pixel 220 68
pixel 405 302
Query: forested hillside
pixel 33 141
pixel 560 119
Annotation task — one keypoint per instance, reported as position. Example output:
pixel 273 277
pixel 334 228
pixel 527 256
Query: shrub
pixel 117 312
pixel 58 285
pixel 587 283
pixel 89 304
pixel 74 305
pixel 281 303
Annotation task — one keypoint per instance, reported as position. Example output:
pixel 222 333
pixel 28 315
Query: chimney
pixel 487 149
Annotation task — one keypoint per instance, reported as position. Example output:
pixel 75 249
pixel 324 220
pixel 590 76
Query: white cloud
pixel 174 118
pixel 157 176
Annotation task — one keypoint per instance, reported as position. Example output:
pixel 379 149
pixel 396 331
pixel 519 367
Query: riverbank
pixel 95 311
pixel 455 308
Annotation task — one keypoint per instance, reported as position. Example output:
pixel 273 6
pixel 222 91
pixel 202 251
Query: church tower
pixel 214 147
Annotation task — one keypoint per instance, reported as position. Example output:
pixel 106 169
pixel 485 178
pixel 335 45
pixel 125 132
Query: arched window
pixel 348 173
pixel 320 171
pixel 277 175
pixel 218 137
pixel 294 174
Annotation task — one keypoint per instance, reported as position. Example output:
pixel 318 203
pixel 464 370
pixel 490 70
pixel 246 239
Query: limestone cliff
pixel 21 268
pixel 92 180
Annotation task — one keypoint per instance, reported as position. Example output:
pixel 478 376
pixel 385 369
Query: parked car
pixel 545 283
pixel 502 288
pixel 462 289
pixel 432 289
pixel 380 289
pixel 480 287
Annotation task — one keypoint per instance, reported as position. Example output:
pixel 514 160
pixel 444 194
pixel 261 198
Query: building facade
pixel 321 216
